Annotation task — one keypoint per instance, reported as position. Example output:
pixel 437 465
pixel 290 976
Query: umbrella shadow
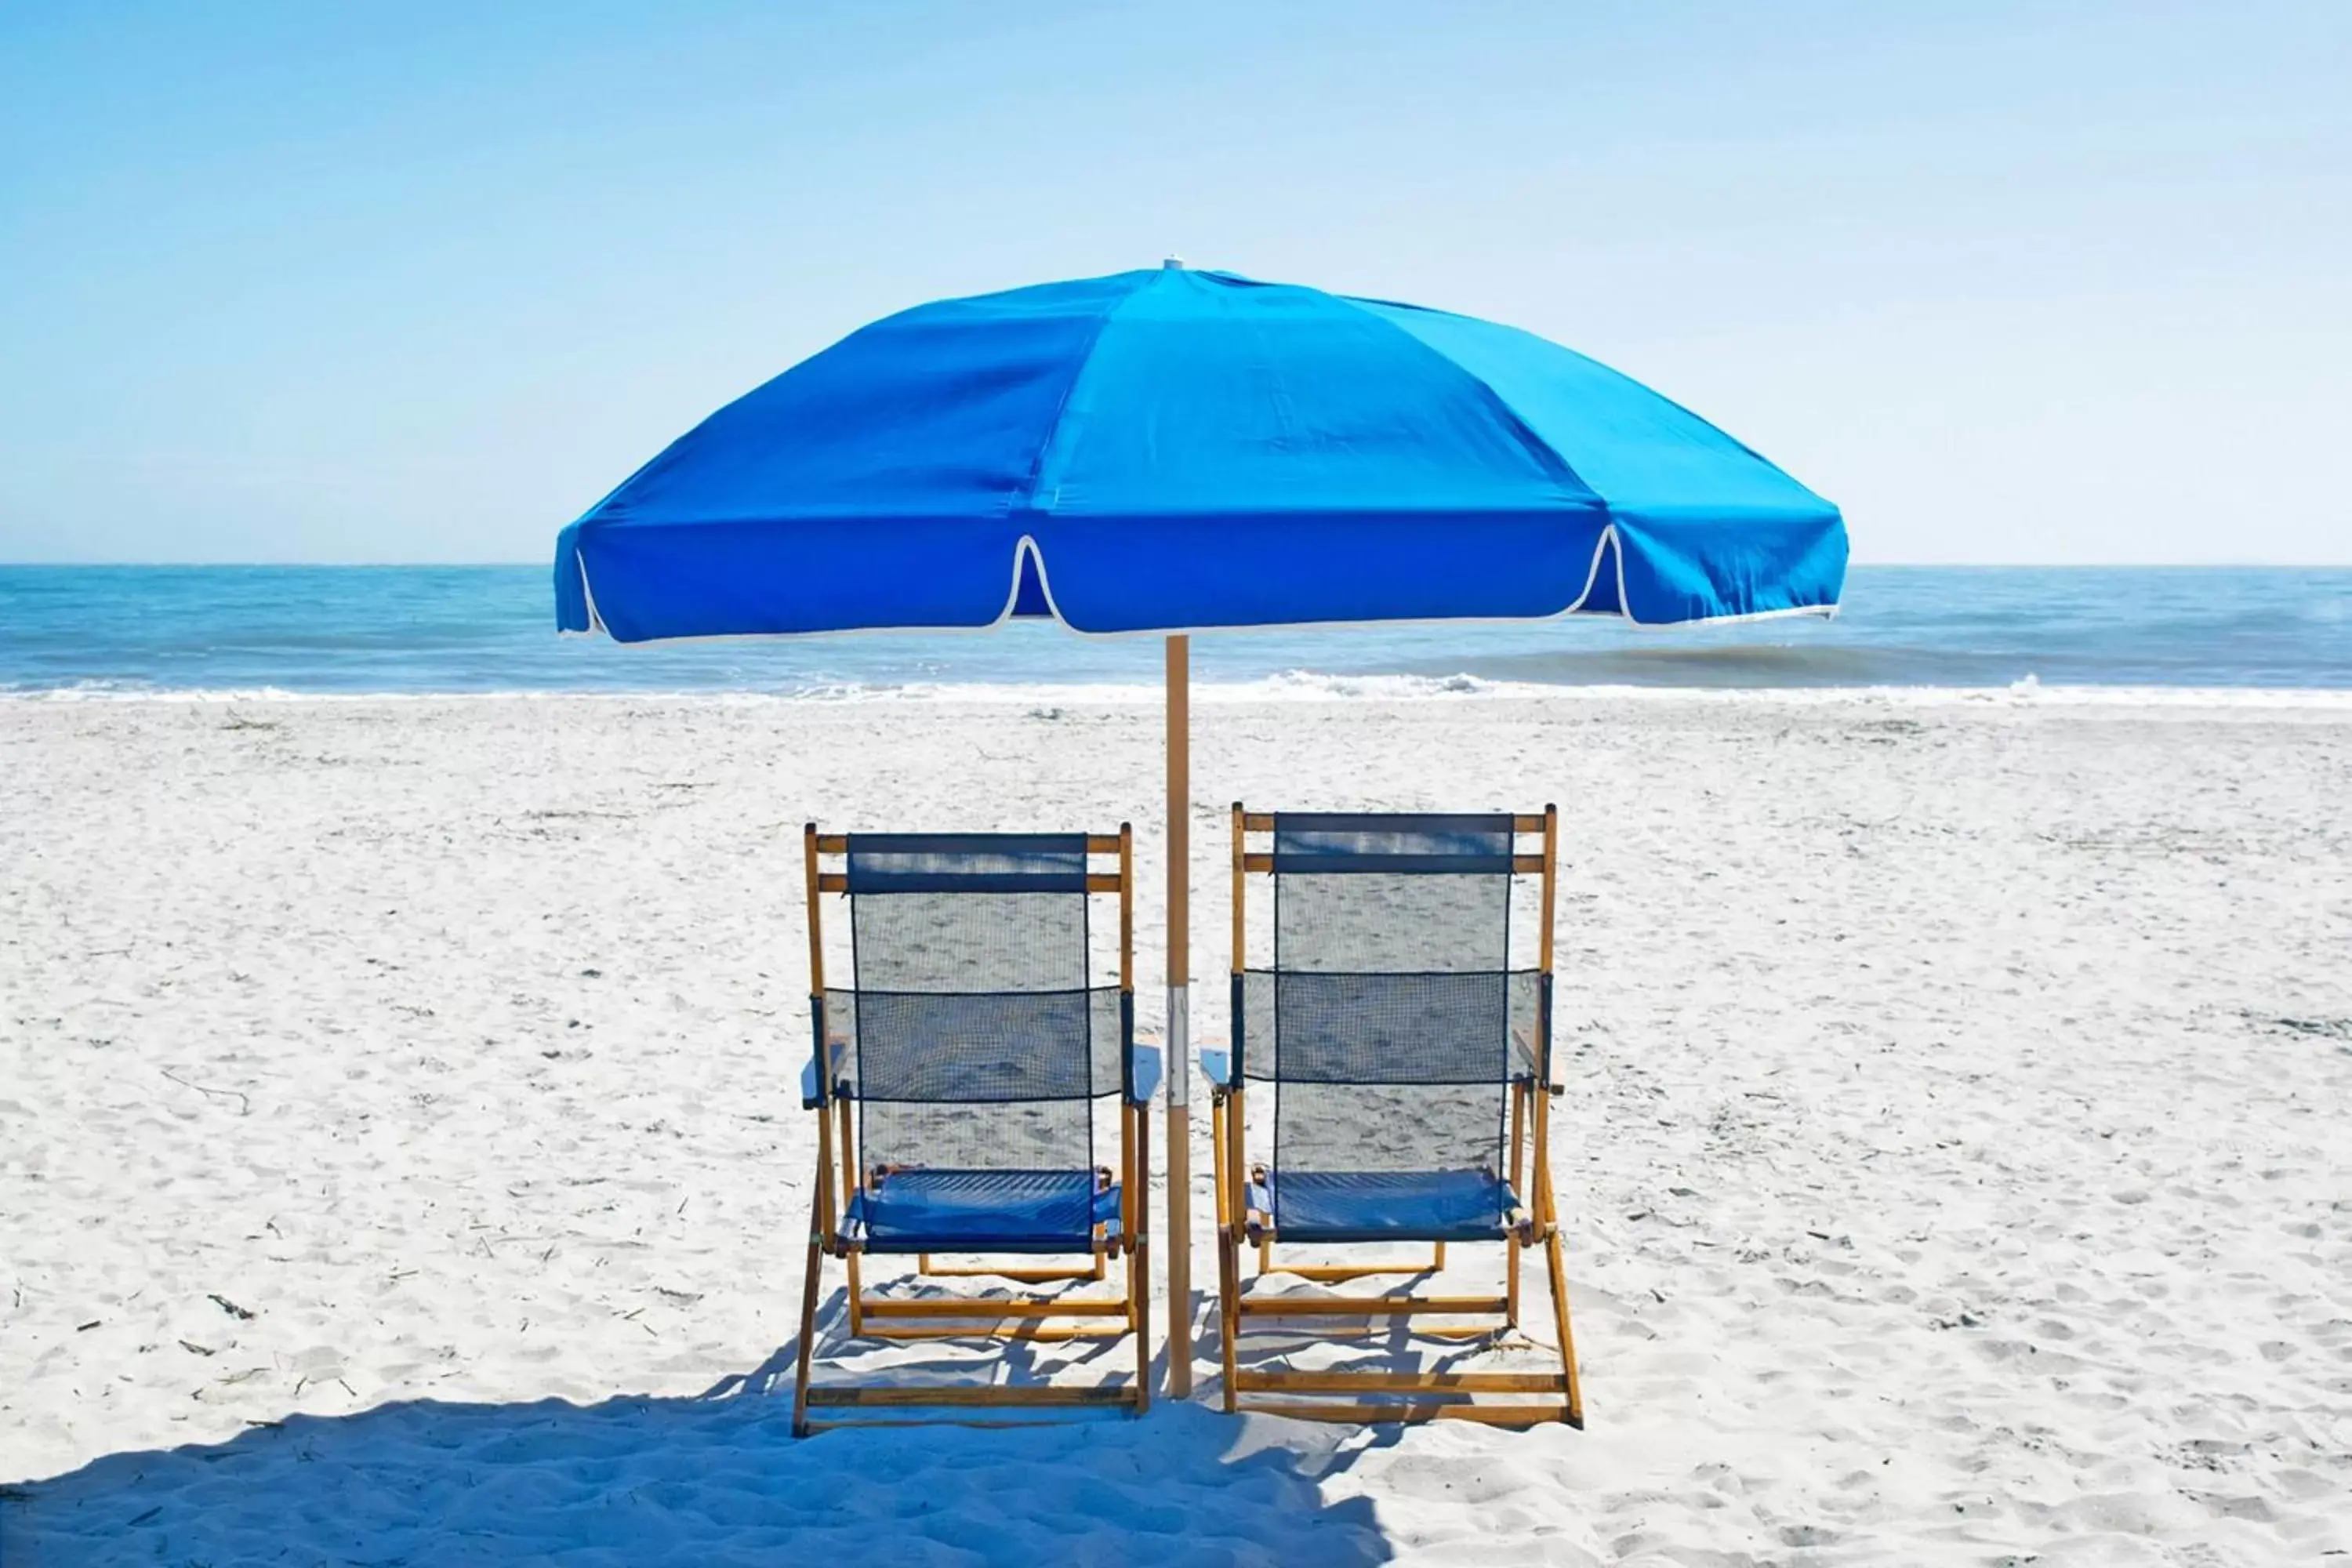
pixel 716 1477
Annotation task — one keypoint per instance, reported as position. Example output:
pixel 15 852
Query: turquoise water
pixel 489 629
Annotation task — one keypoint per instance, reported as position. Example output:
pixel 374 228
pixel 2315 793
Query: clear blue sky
pixel 419 282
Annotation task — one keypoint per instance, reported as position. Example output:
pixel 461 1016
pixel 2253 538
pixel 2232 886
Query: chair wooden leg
pixel 1574 1415
pixel 856 1299
pixel 1217 1158
pixel 1519 1145
pixel 1229 1309
pixel 1139 1318
pixel 809 1288
pixel 1140 1261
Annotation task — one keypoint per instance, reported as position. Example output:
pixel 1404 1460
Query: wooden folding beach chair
pixel 956 1081
pixel 1409 1067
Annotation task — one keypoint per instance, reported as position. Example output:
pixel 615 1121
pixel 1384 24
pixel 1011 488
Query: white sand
pixel 1955 1165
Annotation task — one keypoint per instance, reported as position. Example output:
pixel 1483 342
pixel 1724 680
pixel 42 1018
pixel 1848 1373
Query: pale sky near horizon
pixel 2008 283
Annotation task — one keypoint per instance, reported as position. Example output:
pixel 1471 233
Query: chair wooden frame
pixel 1401 1396
pixel 1021 1317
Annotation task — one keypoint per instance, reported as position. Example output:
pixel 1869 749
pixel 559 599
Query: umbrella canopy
pixel 1177 450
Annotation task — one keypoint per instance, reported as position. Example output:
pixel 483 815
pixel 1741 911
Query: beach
pixel 402 1159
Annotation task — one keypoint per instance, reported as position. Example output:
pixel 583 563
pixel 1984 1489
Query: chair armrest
pixel 1217 1067
pixel 837 1047
pixel 1143 1077
pixel 1523 1057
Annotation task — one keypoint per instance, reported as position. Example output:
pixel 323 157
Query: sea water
pixel 104 630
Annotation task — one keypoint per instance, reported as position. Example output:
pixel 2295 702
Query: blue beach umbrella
pixel 1172 451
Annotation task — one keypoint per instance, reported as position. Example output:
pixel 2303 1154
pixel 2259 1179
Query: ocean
pixel 96 631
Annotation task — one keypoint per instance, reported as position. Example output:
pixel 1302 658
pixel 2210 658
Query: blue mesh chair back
pixel 1385 1024
pixel 974 1039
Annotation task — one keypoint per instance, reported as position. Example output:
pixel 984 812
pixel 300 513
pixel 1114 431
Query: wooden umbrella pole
pixel 1180 1034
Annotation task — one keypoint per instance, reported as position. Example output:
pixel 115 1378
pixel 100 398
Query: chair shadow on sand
pixel 715 1478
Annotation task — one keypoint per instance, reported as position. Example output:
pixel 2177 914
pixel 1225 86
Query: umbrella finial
pixel 1172 262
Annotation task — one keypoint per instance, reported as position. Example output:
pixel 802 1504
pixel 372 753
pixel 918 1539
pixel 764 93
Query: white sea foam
pixel 1290 686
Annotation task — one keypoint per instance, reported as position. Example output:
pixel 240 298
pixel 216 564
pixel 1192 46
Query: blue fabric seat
pixel 983 1210
pixel 1375 1206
